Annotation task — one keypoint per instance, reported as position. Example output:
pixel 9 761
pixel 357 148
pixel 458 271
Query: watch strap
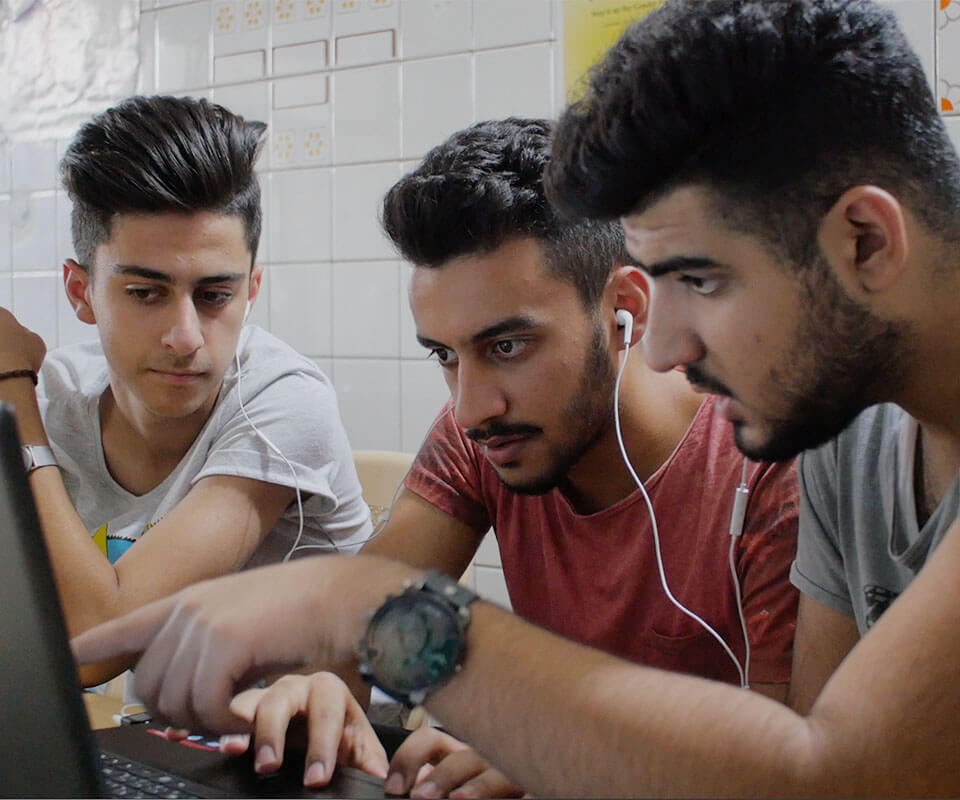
pixel 36 456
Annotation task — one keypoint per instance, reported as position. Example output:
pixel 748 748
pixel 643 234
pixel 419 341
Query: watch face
pixel 413 642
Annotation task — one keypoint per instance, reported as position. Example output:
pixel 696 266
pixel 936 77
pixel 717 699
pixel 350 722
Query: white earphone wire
pixel 656 537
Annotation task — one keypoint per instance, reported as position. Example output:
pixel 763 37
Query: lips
pixel 503 450
pixel 181 377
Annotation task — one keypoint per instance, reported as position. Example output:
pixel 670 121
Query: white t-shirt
pixel 288 398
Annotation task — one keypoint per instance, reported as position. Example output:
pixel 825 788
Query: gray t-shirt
pixel 285 395
pixel 859 541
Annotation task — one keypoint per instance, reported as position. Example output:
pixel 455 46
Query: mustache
pixel 697 377
pixel 501 429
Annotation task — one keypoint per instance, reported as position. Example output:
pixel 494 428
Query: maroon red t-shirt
pixel 594 578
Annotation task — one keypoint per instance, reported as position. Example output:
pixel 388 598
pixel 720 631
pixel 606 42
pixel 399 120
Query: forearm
pixel 85 579
pixel 563 720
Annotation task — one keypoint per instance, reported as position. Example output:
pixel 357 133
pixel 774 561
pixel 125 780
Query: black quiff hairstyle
pixel 484 186
pixel 151 155
pixel 778 106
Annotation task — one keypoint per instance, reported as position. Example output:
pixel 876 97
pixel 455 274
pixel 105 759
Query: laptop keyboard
pixel 125 778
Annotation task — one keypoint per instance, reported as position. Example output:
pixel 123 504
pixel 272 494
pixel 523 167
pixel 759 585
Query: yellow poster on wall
pixel 590 27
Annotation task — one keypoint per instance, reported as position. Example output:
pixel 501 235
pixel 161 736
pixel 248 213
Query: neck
pixel 656 410
pixel 140 448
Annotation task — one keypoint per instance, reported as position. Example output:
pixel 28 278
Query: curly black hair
pixel 484 186
pixel 778 106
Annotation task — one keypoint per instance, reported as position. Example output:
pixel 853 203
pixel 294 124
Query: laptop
pixel 47 747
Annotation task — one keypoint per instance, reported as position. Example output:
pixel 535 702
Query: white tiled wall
pixel 354 91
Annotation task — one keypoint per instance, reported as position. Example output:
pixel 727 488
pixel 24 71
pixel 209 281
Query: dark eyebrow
pixel 520 322
pixel 678 264
pixel 163 277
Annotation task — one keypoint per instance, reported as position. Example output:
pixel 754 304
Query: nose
pixel 476 395
pixel 669 340
pixel 183 336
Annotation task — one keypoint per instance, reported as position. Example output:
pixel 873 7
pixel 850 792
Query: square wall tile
pixel 263 247
pixel 147 71
pixel 307 57
pixel 249 100
pixel 34 304
pixel 423 393
pixel 325 365
pixel 366 124
pixel 528 71
pixel 917 20
pixel 435 27
pixel 6 290
pixel 504 22
pixel 183 47
pixel 366 319
pixel 351 17
pixel 65 247
pixel 238 67
pixel 4 167
pixel 437 100
pixel 357 195
pixel 297 21
pixel 34 165
pixel 953 128
pixel 300 216
pixel 33 219
pixel 302 90
pixel 409 346
pixel 948 53
pixel 4 234
pixel 239 26
pixel 369 393
pixel 300 137
pixel 488 554
pixel 366 48
pixel 300 307
pixel 492 586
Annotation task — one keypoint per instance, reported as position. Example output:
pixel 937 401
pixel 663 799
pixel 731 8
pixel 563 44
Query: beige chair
pixel 381 472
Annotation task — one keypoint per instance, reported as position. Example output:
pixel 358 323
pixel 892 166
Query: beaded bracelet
pixel 19 373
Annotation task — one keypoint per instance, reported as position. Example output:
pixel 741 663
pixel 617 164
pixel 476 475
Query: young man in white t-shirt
pixel 150 435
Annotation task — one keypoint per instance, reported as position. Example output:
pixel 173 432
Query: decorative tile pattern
pixel 948 56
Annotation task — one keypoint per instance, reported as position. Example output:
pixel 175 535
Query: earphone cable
pixel 656 533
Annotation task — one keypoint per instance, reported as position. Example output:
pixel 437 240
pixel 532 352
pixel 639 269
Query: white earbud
pixel 246 311
pixel 625 321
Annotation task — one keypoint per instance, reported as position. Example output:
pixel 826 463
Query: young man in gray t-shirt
pixel 160 429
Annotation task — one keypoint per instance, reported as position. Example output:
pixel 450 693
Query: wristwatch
pixel 36 456
pixel 415 641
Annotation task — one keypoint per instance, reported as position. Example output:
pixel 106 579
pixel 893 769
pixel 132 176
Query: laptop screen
pixel 46 747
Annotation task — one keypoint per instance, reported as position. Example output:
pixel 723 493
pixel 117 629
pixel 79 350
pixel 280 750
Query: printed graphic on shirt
pixel 114 546
pixel 878 600
pixel 100 538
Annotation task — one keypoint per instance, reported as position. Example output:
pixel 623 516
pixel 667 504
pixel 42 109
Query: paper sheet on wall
pixel 590 27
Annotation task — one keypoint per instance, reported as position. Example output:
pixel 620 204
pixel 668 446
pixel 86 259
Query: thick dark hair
pixel 778 106
pixel 158 154
pixel 484 186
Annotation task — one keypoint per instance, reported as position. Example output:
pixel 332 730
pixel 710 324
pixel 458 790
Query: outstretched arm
pixel 547 711
pixel 211 532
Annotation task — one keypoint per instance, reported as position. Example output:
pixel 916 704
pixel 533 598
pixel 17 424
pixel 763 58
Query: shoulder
pixel 74 369
pixel 268 363
pixel 875 431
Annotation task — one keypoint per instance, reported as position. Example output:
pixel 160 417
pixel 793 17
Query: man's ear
pixel 256 278
pixel 628 289
pixel 76 282
pixel 864 238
